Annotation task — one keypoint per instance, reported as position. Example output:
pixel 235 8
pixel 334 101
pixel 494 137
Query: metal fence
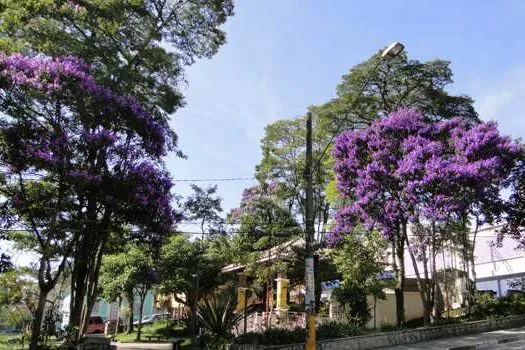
pixel 261 321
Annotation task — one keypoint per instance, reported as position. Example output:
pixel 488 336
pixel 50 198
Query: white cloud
pixel 504 101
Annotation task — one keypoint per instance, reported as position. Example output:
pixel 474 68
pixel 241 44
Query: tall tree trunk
pixel 38 317
pixel 472 263
pixel 466 260
pixel 78 284
pixel 130 298
pixel 92 288
pixel 142 296
pixel 422 285
pixel 399 267
pixel 118 314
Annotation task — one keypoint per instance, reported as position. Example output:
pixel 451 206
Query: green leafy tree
pixel 370 90
pixel 283 164
pixel 5 259
pixel 142 275
pixel 135 47
pixel 378 87
pixel 360 260
pixel 188 271
pixel 264 223
pixel 18 298
pixel 353 298
pixel 130 273
pixel 204 207
pixel 114 286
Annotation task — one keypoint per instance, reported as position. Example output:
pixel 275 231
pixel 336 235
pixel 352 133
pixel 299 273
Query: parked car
pixel 154 318
pixel 95 325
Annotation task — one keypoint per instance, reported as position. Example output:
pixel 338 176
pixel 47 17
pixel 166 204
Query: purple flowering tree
pixel 78 162
pixel 403 170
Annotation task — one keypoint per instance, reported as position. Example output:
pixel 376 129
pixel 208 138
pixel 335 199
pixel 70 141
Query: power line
pixel 216 180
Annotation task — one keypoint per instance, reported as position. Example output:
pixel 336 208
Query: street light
pixel 390 52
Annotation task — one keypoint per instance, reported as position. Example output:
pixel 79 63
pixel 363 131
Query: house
pixel 383 311
pixel 109 311
pixel 497 266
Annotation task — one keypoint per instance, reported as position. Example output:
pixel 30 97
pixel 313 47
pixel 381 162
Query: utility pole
pixel 390 52
pixel 309 240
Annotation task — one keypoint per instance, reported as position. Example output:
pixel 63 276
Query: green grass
pixel 165 328
pixel 6 345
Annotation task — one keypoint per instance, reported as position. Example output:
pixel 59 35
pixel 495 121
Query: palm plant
pixel 217 314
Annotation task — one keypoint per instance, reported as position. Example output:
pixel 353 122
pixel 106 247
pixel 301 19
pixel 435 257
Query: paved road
pixel 497 340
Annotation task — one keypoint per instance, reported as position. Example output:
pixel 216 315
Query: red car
pixel 95 325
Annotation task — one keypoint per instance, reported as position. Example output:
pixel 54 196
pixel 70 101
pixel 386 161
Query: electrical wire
pixel 216 179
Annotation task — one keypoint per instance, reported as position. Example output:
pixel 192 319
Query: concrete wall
pixel 386 309
pixel 401 337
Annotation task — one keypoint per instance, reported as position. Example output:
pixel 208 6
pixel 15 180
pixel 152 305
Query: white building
pixel 496 265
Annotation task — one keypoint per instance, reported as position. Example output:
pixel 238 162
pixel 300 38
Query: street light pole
pixel 389 53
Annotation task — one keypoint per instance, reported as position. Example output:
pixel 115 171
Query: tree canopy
pixel 80 161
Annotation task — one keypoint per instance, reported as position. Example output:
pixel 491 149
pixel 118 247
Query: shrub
pixel 389 327
pixel 487 306
pixel 217 315
pixel 277 336
pixel 273 336
pixel 353 299
pixel 335 330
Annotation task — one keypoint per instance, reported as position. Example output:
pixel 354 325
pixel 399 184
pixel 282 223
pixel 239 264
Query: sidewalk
pixel 503 339
pixel 143 346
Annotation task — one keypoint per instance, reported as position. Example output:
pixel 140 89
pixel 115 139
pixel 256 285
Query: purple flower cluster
pixel 59 76
pixel 103 136
pixel 404 169
pixel 150 190
pixel 85 177
pixel 61 121
pixel 252 197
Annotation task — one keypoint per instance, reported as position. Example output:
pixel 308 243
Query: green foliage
pixel 284 155
pixel 388 327
pixel 216 313
pixel 359 259
pixel 273 336
pixel 388 85
pixel 278 336
pixel 124 40
pixel 333 330
pixel 133 269
pixel 204 207
pixel 18 298
pixel 167 329
pixel 353 299
pixel 487 306
pixel 52 316
pixel 132 272
pixel 180 260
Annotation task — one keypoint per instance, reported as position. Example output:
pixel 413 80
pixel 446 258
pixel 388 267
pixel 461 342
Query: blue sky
pixel 283 56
